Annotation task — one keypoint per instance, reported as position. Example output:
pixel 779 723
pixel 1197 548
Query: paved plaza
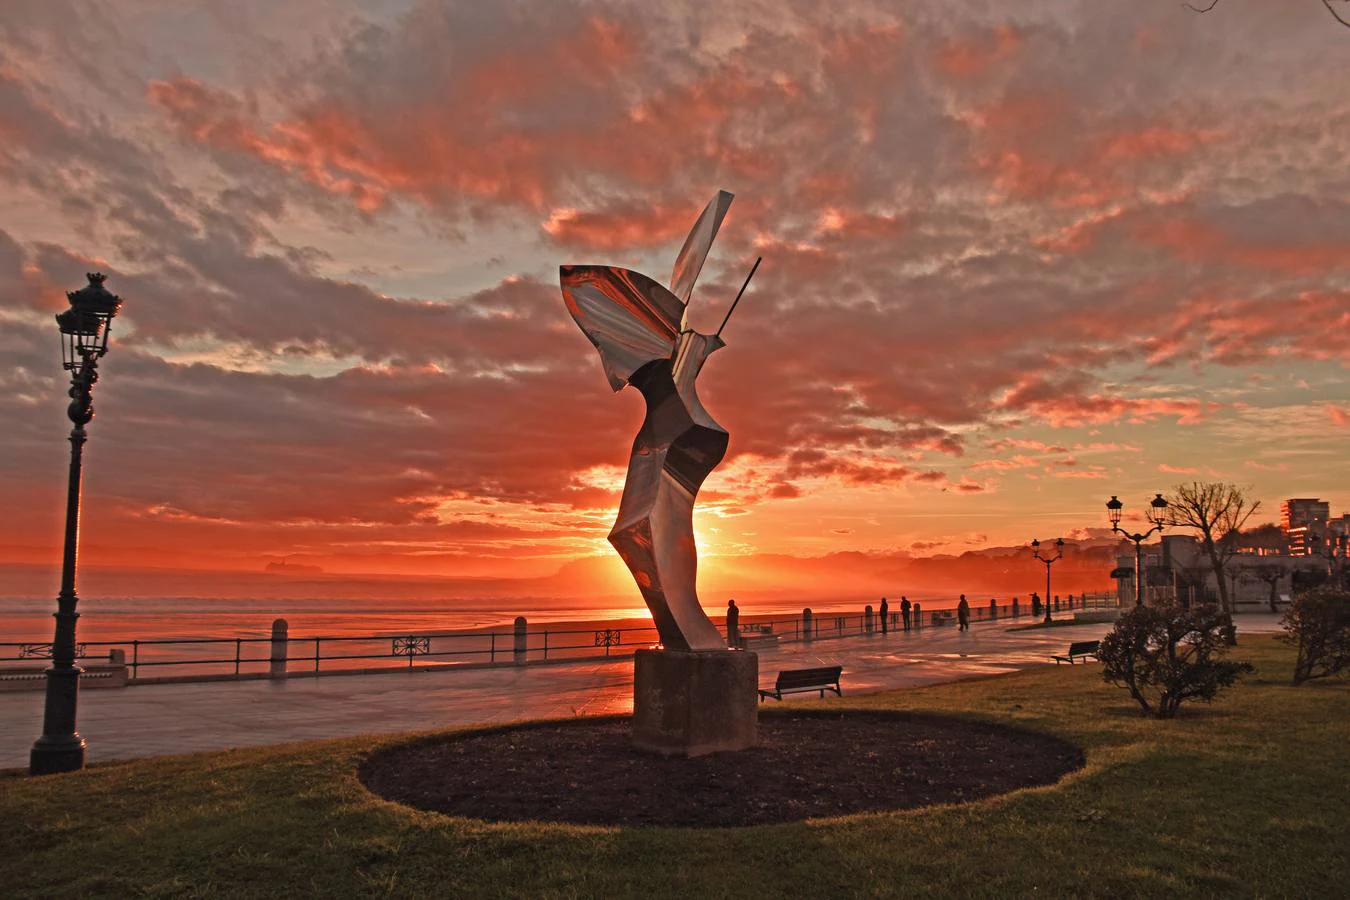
pixel 155 719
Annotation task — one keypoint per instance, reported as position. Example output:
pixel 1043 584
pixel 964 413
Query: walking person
pixel 963 614
pixel 885 616
pixel 733 624
pixel 904 611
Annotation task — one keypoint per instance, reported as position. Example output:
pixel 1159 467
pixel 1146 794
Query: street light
pixel 84 340
pixel 1049 561
pixel 1337 545
pixel 1157 516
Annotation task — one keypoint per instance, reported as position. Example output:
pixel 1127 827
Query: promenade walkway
pixel 151 720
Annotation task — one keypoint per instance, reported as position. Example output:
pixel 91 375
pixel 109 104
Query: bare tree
pixel 1331 8
pixel 1217 510
pixel 1270 573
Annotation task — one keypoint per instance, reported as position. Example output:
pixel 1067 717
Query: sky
pixel 1017 258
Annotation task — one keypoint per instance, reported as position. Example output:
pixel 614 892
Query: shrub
pixel 1165 655
pixel 1318 624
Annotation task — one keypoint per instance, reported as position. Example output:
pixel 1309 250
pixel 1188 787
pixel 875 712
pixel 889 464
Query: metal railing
pixel 282 655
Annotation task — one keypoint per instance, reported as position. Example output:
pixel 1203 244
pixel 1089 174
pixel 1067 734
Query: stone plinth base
pixel 694 703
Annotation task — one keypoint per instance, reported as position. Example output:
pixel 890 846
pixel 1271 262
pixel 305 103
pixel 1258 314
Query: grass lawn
pixel 1248 797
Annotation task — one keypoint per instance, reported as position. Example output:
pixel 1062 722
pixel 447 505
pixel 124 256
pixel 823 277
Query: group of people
pixel 906 617
pixel 906 614
pixel 962 614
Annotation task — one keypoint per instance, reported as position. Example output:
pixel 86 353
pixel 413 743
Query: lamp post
pixel 1157 513
pixel 84 340
pixel 1049 561
pixel 1337 545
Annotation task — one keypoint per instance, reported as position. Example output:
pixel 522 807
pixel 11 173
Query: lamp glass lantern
pixel 86 325
pixel 1157 513
pixel 1113 509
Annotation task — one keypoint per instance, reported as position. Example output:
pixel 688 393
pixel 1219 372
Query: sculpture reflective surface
pixel 639 327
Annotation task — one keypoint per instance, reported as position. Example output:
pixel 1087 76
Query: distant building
pixel 1299 512
pixel 1340 525
pixel 1178 570
pixel 1304 521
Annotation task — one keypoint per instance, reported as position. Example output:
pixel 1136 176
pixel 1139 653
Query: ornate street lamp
pixel 1049 561
pixel 84 340
pixel 1157 516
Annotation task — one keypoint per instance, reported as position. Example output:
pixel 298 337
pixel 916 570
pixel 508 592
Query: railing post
pixel 522 636
pixel 135 657
pixel 917 613
pixel 1015 612
pixel 993 608
pixel 316 655
pixel 808 633
pixel 492 648
pixel 867 619
pixel 280 633
pixel 238 645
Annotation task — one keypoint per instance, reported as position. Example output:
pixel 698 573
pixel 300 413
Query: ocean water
pixel 193 637
pixel 133 618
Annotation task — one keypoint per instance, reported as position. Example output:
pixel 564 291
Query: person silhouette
pixel 733 624
pixel 963 614
pixel 904 611
pixel 885 615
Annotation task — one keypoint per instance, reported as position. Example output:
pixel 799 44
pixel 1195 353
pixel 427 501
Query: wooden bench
pixel 1079 650
pixel 796 681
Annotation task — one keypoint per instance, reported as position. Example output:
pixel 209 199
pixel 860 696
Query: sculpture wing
pixel 695 250
pixel 630 318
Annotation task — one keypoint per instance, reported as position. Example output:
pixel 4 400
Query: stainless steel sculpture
pixel 640 329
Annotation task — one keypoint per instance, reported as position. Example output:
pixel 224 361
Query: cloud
pixel 980 238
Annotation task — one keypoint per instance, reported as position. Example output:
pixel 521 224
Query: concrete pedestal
pixel 691 703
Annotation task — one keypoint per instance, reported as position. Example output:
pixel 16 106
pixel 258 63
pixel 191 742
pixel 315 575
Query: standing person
pixel 904 611
pixel 733 624
pixel 963 614
pixel 885 616
pixel 1035 604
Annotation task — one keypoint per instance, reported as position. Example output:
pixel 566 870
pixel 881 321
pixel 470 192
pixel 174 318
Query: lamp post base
pixel 51 756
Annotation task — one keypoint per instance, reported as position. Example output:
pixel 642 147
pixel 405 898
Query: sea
pixel 192 637
pixel 132 618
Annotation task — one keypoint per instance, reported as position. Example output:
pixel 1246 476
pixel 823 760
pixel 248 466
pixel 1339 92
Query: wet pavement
pixel 157 719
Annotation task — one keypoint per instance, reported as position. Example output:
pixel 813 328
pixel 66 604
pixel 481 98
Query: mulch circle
pixel 806 765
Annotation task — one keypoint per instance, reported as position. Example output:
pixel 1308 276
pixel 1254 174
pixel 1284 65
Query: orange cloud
pixel 1203 242
pixel 619 229
pixel 971 57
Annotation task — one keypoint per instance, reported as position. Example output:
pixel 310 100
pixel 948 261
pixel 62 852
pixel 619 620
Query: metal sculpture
pixel 640 328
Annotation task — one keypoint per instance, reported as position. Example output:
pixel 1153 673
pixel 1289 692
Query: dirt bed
pixel 807 765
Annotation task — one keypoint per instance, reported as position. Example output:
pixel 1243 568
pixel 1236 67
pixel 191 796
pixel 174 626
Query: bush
pixel 1318 624
pixel 1164 655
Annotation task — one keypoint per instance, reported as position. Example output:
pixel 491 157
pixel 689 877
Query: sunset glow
pixel 997 288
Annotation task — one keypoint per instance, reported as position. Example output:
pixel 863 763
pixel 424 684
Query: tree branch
pixel 1327 3
pixel 1331 9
